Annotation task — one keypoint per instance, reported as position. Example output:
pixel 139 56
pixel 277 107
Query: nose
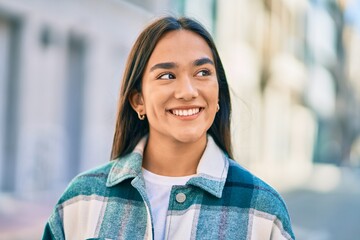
pixel 185 89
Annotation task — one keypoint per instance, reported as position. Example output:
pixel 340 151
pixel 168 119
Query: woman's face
pixel 180 88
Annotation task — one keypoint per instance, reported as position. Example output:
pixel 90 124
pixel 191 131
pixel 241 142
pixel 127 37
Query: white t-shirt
pixel 158 190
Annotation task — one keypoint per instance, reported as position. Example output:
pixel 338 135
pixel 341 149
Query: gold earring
pixel 217 107
pixel 141 117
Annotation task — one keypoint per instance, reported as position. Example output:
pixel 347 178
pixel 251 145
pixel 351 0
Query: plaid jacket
pixel 222 201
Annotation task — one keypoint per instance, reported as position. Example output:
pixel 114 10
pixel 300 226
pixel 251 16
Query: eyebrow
pixel 170 65
pixel 203 61
pixel 164 65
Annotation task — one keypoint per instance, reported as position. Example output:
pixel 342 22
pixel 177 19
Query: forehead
pixel 180 45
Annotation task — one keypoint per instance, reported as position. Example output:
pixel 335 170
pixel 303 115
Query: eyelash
pixel 164 74
pixel 206 72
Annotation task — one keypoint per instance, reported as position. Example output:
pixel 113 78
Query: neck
pixel 172 158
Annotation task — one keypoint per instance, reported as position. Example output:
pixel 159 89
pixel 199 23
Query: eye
pixel 203 73
pixel 166 76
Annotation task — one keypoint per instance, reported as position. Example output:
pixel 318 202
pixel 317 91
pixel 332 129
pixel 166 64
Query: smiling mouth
pixel 185 112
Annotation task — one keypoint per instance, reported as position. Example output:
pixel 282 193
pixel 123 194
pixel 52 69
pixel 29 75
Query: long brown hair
pixel 129 129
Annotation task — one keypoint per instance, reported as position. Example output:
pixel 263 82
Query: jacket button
pixel 180 197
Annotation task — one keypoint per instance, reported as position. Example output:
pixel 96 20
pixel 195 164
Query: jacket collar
pixel 210 175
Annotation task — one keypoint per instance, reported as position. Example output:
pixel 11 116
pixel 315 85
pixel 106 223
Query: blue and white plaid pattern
pixel 223 201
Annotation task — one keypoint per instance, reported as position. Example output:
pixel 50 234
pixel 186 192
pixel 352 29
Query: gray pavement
pixel 328 213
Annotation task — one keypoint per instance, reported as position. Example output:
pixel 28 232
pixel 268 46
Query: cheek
pixel 212 93
pixel 155 100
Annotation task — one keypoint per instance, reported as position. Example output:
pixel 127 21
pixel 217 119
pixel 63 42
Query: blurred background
pixel 294 72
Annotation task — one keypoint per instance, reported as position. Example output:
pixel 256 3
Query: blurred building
pixel 295 96
pixel 263 43
pixel 294 84
pixel 292 67
pixel 61 66
pixel 60 72
pixel 351 52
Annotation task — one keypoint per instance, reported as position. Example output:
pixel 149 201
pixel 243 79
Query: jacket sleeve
pixel 48 235
pixel 54 227
pixel 281 229
pixel 279 233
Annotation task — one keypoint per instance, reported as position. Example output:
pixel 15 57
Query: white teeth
pixel 187 112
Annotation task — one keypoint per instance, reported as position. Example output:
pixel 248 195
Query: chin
pixel 190 137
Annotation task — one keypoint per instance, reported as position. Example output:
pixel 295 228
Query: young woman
pixel 172 176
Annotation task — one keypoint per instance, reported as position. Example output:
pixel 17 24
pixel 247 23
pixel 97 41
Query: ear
pixel 137 102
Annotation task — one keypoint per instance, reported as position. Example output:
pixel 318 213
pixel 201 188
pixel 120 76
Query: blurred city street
pixel 328 213
pixel 293 72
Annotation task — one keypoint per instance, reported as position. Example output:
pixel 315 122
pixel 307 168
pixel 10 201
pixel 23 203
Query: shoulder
pixel 263 196
pixel 90 182
pixel 262 200
pixel 87 186
pixel 240 177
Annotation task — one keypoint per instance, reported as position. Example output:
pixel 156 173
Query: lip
pixel 185 112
